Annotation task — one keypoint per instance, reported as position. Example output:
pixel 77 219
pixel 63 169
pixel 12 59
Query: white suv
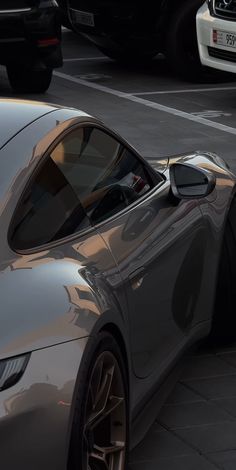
pixel 216 32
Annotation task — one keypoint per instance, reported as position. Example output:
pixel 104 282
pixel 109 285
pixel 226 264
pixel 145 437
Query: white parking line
pixel 187 90
pixel 81 59
pixel 149 104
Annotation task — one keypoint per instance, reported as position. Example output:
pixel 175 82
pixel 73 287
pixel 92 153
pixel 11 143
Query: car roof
pixel 27 129
pixel 17 114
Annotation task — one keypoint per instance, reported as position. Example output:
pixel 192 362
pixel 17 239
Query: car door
pixel 62 269
pixel 158 248
pixel 151 235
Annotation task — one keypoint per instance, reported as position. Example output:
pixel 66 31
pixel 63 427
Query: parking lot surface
pixel 162 115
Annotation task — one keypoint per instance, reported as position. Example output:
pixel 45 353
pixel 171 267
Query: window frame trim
pixel 93 227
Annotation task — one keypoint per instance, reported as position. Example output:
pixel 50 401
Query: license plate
pixel 224 38
pixel 82 17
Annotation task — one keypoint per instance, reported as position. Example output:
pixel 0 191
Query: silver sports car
pixel 110 269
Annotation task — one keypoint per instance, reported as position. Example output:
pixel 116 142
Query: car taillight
pixel 48 42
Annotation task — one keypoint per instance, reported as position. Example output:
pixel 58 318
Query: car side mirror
pixel 189 182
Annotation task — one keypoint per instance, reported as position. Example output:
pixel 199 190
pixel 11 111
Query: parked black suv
pixel 136 29
pixel 30 37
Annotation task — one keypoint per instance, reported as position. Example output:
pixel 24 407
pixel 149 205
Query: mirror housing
pixel 190 182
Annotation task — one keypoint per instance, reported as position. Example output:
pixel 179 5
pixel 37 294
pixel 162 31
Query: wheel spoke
pixel 114 402
pixel 101 400
pixel 106 455
pixel 116 447
pixel 105 423
pixel 95 383
pixel 103 393
pixel 99 459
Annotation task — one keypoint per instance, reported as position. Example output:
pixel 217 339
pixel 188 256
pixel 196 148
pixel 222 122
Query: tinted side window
pixel 50 210
pixel 105 175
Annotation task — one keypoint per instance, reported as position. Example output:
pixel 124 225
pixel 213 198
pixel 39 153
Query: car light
pixel 11 370
pixel 48 42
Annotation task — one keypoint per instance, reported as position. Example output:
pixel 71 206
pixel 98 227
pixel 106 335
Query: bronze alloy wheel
pixel 104 435
pixel 100 427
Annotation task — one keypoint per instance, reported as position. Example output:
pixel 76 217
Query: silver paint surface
pixel 150 272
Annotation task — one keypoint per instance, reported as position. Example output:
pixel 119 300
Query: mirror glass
pixel 190 181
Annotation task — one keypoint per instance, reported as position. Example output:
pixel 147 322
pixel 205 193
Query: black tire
pixel 181 46
pixel 82 439
pixel 25 80
pixel 224 319
pixel 66 22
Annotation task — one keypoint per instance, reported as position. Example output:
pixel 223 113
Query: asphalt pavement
pixel 161 115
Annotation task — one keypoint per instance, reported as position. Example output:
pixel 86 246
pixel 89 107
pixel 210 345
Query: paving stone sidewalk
pixel 196 429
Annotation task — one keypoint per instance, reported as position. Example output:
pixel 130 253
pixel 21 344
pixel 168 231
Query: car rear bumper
pixel 32 36
pixel 114 19
pixel 36 413
pixel 212 54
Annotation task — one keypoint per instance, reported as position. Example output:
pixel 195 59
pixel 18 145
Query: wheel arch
pixel 214 336
pixel 167 10
pixel 170 8
pixel 232 199
pixel 180 40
